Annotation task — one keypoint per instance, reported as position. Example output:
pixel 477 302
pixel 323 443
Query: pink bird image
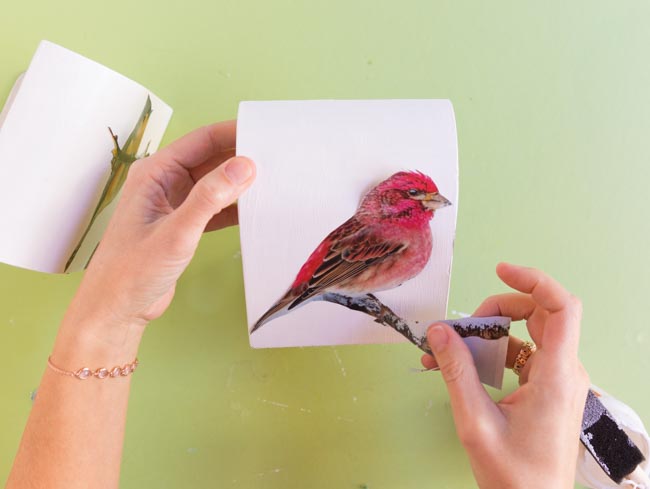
pixel 385 243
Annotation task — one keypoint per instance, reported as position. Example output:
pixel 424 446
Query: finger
pixel 213 193
pixel 544 290
pixel 198 146
pixel 515 306
pixel 525 370
pixel 429 362
pixel 561 333
pixel 226 218
pixel 514 347
pixel 210 164
pixel 470 403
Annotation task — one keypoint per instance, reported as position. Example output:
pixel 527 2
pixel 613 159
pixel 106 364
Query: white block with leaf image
pixel 69 132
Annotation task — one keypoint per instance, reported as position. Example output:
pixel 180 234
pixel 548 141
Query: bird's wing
pixel 345 253
pixel 347 258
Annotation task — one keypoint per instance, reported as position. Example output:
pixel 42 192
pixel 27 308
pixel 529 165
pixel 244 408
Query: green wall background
pixel 552 102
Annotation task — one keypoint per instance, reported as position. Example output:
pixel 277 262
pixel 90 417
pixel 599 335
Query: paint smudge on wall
pixel 340 362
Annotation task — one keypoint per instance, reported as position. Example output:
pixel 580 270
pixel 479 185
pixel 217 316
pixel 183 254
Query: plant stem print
pixel 122 160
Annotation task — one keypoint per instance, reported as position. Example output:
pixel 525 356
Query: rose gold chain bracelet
pixel 100 373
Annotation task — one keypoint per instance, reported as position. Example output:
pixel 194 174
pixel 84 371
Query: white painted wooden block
pixel 315 161
pixel 55 154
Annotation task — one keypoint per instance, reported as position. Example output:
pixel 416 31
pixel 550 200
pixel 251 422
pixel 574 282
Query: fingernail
pixel 238 170
pixel 437 336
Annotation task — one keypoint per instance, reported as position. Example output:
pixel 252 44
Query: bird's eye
pixel 413 192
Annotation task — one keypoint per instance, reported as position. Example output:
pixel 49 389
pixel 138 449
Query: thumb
pixel 214 192
pixel 469 400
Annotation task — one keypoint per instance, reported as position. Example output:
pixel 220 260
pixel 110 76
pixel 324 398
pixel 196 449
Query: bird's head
pixel 405 196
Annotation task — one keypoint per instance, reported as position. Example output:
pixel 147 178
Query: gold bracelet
pixel 100 373
pixel 527 349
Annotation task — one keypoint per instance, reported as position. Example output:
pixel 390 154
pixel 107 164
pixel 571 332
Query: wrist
pixel 90 336
pixel 98 314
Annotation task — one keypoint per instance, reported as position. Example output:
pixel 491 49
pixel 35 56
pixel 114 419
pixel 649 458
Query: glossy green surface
pixel 552 103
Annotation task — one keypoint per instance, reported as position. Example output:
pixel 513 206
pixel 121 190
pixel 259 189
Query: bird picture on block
pixel 385 243
pixel 354 205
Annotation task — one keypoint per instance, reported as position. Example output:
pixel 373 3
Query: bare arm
pixel 75 431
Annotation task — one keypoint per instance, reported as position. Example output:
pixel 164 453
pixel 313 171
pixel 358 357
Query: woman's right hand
pixel 530 438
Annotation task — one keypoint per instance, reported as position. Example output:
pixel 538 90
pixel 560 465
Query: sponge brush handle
pixel 639 478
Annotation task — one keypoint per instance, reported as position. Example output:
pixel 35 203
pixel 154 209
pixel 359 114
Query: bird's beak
pixel 435 201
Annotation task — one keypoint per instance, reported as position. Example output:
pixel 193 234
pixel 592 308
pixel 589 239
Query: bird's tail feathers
pixel 278 309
